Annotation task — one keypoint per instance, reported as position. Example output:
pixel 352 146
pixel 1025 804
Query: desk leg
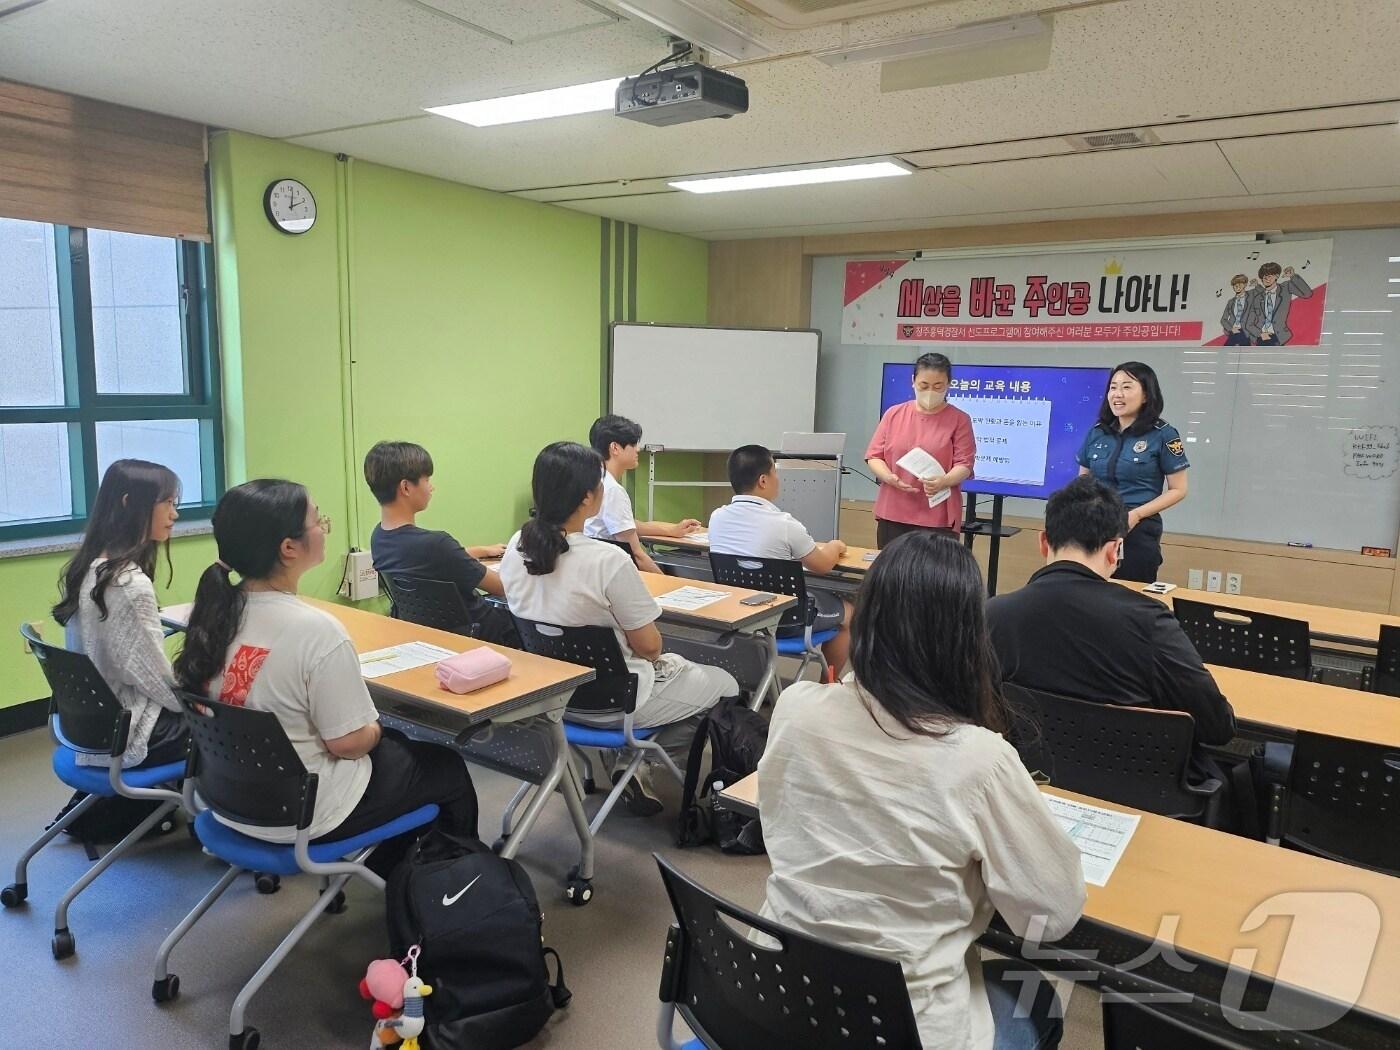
pixel 563 778
pixel 769 681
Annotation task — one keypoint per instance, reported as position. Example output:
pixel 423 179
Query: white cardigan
pixel 904 846
pixel 128 649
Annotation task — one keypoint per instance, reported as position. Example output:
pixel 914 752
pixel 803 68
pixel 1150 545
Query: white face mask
pixel 930 399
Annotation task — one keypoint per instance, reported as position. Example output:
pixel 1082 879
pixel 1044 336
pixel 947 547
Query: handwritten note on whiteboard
pixel 1372 452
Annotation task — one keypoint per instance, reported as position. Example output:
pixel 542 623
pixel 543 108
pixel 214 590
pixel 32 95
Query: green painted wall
pixel 417 309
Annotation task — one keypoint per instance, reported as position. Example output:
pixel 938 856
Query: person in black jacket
pixel 1070 631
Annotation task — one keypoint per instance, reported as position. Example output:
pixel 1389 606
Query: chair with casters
pixel 429 603
pixel 791 990
pixel 613 692
pixel 779 576
pixel 1134 756
pixel 244 769
pixel 1385 676
pixel 87 719
pixel 1251 641
pixel 1342 802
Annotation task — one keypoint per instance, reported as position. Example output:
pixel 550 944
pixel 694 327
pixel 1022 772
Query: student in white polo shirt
pixel 618 440
pixel 751 525
pixel 555 574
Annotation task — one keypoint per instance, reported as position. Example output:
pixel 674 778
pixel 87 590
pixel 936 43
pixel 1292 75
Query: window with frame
pixel 108 351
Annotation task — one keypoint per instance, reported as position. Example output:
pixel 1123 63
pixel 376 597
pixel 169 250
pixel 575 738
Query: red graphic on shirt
pixel 239 674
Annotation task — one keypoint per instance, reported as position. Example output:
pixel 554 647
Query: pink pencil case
pixel 472 670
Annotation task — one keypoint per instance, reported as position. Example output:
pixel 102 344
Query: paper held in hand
pixel 923 466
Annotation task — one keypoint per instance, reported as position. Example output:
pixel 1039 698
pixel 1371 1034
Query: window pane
pixel 31 347
pixel 171 442
pixel 135 283
pixel 34 478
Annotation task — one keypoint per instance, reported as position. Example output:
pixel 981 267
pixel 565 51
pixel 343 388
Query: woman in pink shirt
pixel 942 430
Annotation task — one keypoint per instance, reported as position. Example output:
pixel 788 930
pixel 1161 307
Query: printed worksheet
pixel 1101 835
pixel 924 466
pixel 381 662
pixel 688 599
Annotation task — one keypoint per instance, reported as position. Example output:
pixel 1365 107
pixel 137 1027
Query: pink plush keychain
pixel 398 997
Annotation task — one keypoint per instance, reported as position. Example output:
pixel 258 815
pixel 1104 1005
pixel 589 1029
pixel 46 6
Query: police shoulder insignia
pixel 1176 447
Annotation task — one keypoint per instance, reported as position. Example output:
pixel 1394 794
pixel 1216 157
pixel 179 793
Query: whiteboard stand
pixel 652 484
pixel 973 526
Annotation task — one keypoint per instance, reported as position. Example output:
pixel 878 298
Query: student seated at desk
pixel 555 574
pixel 256 644
pixel 108 605
pixel 617 440
pixel 896 817
pixel 751 526
pixel 1072 632
pixel 400 474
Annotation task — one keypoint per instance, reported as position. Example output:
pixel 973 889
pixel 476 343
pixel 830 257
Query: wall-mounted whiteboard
pixel 714 389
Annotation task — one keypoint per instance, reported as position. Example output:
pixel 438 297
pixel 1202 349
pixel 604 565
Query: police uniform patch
pixel 1176 447
pixel 1141 446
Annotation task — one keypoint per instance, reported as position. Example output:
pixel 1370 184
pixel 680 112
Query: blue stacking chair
pixel 86 719
pixel 613 691
pixel 243 768
pixel 790 991
pixel 779 576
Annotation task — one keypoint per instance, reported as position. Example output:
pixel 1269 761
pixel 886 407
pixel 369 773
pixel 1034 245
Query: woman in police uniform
pixel 1134 450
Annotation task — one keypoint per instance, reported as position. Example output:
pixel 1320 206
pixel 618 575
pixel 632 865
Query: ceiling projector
pixel 681 94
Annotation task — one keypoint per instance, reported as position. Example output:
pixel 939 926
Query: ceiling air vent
pixel 806 14
pixel 1112 139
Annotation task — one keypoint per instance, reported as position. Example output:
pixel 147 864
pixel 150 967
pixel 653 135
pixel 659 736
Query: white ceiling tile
pixel 1322 160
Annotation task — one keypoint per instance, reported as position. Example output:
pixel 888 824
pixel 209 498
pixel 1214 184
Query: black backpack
pixel 737 737
pixel 477 923
pixel 109 820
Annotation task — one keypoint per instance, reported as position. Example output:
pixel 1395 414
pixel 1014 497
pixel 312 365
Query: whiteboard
pixel 698 388
pixel 1290 443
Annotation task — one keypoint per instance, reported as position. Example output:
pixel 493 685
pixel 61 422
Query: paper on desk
pixel 923 466
pixel 1101 834
pixel 690 598
pixel 697 537
pixel 396 658
pixel 177 615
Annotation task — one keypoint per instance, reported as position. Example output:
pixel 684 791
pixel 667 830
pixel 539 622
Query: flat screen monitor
pixel 1030 421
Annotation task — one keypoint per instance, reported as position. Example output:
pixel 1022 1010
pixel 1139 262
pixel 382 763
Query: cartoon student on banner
pixel 1257 314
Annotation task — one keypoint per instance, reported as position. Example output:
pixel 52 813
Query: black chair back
pixel 1386 677
pixel 736 994
pixel 1129 1026
pixel 430 603
pixel 615 687
pixel 1343 801
pixel 1129 755
pixel 88 715
pixel 774 575
pixel 627 547
pixel 244 767
pixel 1251 641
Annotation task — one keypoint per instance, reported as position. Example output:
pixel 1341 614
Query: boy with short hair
pixel 1236 312
pixel 1267 324
pixel 618 440
pixel 400 473
pixel 751 525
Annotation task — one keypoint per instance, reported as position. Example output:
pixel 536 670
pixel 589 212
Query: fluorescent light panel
pixel 534 105
pixel 977 35
pixel 762 180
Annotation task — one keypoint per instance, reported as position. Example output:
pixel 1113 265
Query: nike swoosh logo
pixel 447 901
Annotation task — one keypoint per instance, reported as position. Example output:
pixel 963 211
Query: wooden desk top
pixel 853 561
pixel 1172 868
pixel 1325 622
pixel 531 678
pixel 1291 703
pixel 727 614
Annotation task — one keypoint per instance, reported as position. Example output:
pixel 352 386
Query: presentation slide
pixel 1029 421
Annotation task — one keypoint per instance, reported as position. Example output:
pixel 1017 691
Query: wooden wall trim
pixel 80 162
pixel 1119 227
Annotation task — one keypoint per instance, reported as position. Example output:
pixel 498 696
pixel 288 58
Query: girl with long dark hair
pixel 107 603
pixel 254 643
pixel 553 573
pixel 896 817
pixel 1134 450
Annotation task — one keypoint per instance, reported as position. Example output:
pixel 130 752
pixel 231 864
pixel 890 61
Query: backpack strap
pixel 685 834
pixel 558 991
